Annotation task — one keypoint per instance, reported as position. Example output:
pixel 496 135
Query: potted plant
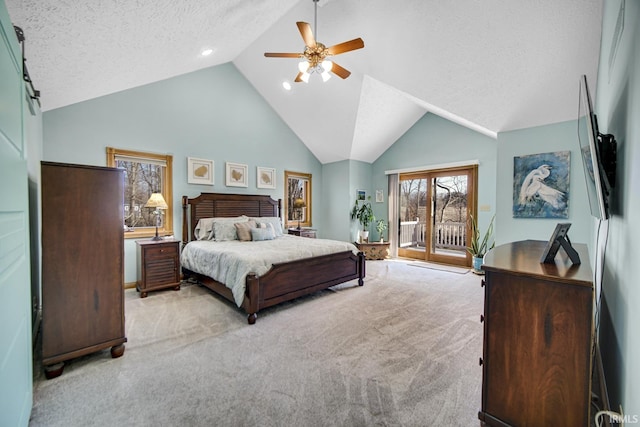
pixel 478 244
pixel 363 212
pixel 381 225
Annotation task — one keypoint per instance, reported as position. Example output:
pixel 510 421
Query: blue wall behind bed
pixel 212 113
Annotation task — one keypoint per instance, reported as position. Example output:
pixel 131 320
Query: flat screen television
pixel 598 154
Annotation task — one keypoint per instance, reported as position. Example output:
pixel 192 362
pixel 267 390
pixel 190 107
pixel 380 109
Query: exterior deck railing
pixel 449 235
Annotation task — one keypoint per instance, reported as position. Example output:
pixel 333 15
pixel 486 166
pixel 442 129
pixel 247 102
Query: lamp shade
pixel 299 203
pixel 156 201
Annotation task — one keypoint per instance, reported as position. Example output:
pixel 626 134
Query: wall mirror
pixel 297 199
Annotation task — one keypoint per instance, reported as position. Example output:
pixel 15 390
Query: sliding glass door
pixel 434 214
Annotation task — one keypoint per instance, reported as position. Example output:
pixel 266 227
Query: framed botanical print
pixel 266 177
pixel 237 175
pixel 199 171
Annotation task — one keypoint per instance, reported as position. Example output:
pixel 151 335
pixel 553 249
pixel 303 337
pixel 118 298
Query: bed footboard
pixel 290 280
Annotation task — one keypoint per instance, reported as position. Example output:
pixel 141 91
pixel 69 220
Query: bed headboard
pixel 209 205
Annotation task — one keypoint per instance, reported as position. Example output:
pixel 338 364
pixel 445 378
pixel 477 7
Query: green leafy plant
pixel 363 212
pixel 381 225
pixel 479 245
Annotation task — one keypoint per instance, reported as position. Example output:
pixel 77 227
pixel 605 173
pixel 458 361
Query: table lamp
pixel 157 202
pixel 298 205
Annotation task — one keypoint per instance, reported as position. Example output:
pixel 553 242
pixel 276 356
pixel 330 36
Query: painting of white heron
pixel 541 185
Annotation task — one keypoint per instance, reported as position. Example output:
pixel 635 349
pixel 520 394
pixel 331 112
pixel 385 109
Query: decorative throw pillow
pixel 275 221
pixel 204 229
pixel 224 228
pixel 267 225
pixel 243 230
pixel 259 234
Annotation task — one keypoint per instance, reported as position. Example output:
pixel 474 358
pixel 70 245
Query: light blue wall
pixel 335 184
pixel 433 141
pixel 617 105
pixel 543 139
pixel 213 113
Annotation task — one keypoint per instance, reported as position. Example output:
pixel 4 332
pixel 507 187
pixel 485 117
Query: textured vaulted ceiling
pixel 491 65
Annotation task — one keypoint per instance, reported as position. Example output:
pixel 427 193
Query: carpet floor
pixel 400 351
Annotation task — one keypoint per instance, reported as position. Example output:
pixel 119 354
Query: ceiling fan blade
pixel 346 46
pixel 340 71
pixel 307 34
pixel 282 55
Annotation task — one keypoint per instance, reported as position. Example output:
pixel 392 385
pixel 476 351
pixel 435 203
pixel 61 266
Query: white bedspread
pixel 230 262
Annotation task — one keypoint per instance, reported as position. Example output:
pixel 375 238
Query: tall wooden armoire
pixel 82 262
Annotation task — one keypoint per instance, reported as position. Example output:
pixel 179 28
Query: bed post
pixel 361 268
pixel 185 220
pixel 252 294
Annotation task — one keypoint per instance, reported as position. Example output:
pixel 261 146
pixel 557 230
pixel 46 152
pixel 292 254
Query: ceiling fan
pixel 315 54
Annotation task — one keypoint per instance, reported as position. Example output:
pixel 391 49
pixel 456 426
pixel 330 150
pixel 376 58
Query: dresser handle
pixel 482 283
pixel 480 361
pixel 481 318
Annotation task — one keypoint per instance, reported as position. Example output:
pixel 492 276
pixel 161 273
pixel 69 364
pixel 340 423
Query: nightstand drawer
pixel 161 251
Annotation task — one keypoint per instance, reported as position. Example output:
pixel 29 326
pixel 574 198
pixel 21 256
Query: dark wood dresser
pixel 537 354
pixel 158 265
pixel 82 262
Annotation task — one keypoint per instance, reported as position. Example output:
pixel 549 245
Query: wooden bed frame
pixel 285 281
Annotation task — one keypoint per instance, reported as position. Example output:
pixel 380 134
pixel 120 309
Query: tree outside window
pixel 144 174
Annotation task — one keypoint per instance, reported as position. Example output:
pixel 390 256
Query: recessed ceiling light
pixel 206 52
pixel 286 85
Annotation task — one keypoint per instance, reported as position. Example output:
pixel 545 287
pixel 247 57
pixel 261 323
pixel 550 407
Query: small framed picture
pixel 199 171
pixel 266 177
pixel 237 175
pixel 361 195
pixel 379 196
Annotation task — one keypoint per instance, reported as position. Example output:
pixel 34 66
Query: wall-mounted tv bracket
pixel 607 147
pixel 33 94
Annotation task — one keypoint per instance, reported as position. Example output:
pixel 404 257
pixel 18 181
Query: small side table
pixel 303 232
pixel 374 250
pixel 158 265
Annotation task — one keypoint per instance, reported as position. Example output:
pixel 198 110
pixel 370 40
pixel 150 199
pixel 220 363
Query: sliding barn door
pixel 15 286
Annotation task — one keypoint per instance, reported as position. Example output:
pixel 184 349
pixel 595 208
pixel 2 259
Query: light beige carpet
pixel 401 351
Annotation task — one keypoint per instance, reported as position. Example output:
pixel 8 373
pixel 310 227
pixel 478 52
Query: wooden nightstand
pixel 158 265
pixel 303 232
pixel 374 250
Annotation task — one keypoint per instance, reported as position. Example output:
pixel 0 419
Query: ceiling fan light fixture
pixel 303 66
pixel 314 53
